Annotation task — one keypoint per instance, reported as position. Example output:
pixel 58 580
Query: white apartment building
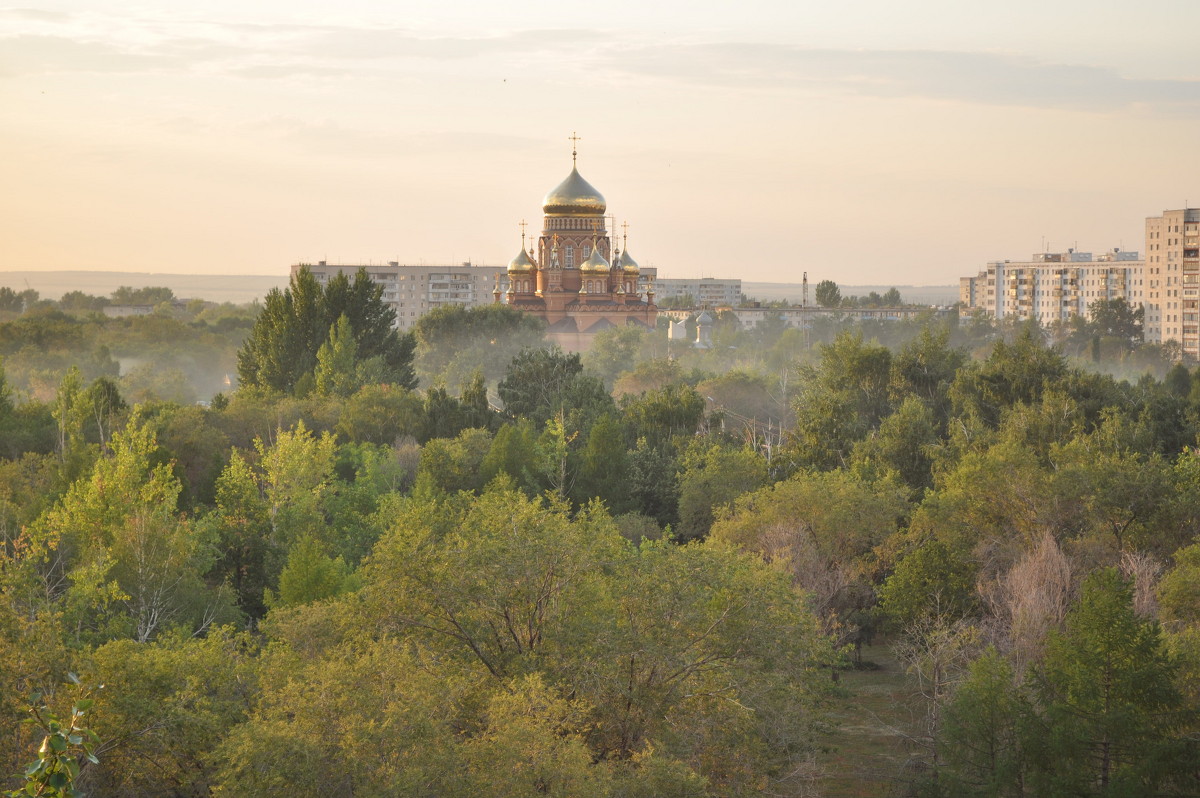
pixel 1173 279
pixel 707 292
pixel 1054 286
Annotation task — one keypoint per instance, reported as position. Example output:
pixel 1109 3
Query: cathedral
pixel 579 281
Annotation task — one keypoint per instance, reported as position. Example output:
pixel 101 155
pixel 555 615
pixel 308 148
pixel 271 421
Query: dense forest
pixel 928 558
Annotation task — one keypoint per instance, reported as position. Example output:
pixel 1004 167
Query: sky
pixel 864 141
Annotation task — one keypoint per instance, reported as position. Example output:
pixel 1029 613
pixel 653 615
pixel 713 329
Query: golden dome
pixel 628 264
pixel 521 264
pixel 574 196
pixel 595 264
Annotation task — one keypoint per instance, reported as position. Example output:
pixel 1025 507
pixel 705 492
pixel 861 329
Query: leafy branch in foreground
pixel 54 772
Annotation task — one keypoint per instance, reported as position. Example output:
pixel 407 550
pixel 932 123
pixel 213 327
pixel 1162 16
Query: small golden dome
pixel 628 264
pixel 521 264
pixel 574 196
pixel 595 264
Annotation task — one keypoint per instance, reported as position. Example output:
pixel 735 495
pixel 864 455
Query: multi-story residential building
pixel 706 292
pixel 1054 286
pixel 1173 279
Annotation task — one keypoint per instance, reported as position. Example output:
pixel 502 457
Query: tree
pixel 1115 318
pixel 604 467
pixel 696 653
pixel 902 444
pixel 822 529
pixel 337 361
pixel 454 342
pixel 828 294
pixel 381 414
pixel 454 464
pixel 150 295
pixel 310 575
pixel 536 383
pixel 280 353
pixel 614 351
pixel 514 452
pixel 130 566
pixel 10 300
pixel 165 707
pixel 840 402
pixel 711 479
pixel 661 415
pixel 1017 372
pixel 1110 715
pixel 243 529
pixel 983 734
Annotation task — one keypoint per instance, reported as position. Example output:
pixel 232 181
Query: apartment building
pixel 1173 279
pixel 1054 286
pixel 707 292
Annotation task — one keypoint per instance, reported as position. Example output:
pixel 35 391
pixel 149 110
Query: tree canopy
pixel 281 353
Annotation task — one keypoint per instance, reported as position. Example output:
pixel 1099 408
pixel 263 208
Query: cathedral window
pixel 570 261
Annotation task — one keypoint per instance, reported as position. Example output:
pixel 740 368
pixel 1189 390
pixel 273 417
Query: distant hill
pixel 237 288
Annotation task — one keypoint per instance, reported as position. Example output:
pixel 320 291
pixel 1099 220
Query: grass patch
pixel 870 751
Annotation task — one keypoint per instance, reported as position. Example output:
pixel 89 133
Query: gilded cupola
pixel 596 263
pixel 521 264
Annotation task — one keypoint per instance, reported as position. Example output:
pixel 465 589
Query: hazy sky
pixel 866 141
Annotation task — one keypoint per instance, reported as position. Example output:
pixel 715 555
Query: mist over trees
pixel 466 562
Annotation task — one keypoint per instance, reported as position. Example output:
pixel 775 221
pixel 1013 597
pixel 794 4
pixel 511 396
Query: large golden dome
pixel 574 196
pixel 595 264
pixel 521 264
pixel 628 264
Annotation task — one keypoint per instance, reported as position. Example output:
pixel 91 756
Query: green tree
pixel 661 415
pixel 166 706
pixel 614 351
pixel 1114 318
pixel 241 522
pixel 514 452
pixel 337 361
pixel 1012 373
pixel 454 464
pixel 840 402
pixel 935 579
pixel 280 353
pixel 828 294
pixel 984 736
pixel 604 467
pixel 310 575
pixel 537 382
pixel 903 445
pixel 712 477
pixel 1110 710
pixel 454 342
pixel 381 414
